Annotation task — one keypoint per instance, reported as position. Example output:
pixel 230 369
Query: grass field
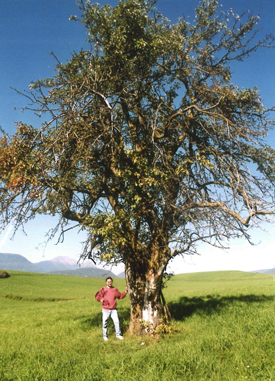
pixel 223 329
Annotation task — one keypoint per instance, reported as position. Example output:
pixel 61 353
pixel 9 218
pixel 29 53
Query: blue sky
pixel 31 29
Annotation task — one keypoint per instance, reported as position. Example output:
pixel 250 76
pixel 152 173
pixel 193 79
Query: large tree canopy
pixel 146 144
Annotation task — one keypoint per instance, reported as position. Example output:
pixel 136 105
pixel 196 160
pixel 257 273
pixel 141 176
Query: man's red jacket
pixel 109 296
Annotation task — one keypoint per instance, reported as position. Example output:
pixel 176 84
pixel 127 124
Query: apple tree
pixel 145 143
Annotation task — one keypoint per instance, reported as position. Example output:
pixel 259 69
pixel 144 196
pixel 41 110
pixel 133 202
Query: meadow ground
pixel 223 329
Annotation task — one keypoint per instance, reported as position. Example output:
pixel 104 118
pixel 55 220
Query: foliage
pixel 147 145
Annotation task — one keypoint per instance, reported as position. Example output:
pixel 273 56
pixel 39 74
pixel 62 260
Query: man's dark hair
pixel 109 277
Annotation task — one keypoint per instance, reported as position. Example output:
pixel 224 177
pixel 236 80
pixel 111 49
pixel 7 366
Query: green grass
pixel 223 329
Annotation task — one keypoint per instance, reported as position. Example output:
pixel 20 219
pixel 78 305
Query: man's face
pixel 109 282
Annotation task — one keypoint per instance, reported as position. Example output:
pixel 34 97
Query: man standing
pixel 107 296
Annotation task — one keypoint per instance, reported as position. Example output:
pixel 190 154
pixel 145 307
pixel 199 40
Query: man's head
pixel 109 281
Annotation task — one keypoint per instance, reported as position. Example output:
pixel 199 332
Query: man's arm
pixel 99 295
pixel 121 295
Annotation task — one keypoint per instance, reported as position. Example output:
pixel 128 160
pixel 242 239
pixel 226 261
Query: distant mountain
pixel 265 271
pixel 87 272
pixel 121 275
pixel 58 265
pixel 67 261
pixel 15 262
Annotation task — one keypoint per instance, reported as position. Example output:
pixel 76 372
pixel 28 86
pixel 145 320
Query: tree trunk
pixel 145 299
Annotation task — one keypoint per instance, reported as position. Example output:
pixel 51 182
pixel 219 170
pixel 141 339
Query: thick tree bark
pixel 145 299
